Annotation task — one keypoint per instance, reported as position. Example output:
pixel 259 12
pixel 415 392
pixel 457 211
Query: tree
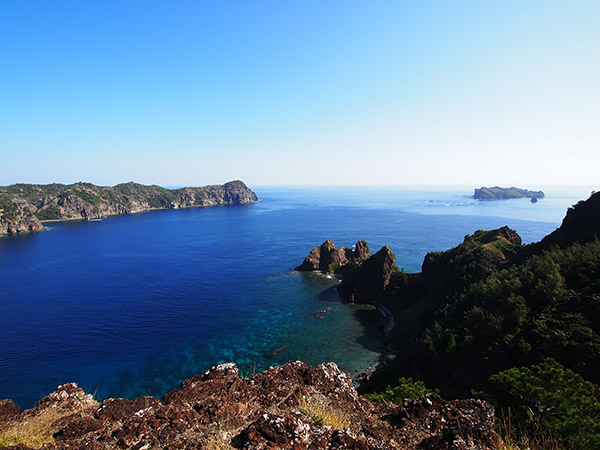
pixel 550 395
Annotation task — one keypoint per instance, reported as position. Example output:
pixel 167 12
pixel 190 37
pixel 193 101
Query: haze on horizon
pixel 300 93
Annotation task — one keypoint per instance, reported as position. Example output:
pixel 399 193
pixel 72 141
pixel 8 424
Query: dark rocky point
pixel 328 259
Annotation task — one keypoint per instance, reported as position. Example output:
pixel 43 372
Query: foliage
pixel 406 388
pixel 8 208
pixel 549 305
pixel 554 397
pixel 50 212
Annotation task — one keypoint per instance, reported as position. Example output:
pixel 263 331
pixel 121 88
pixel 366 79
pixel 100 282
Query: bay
pixel 133 305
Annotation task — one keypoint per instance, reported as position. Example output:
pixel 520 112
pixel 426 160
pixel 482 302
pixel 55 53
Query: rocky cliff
pixel 23 206
pixel 289 407
pixel 328 259
pixel 16 216
pixel 367 282
pixel 500 193
pixel 364 276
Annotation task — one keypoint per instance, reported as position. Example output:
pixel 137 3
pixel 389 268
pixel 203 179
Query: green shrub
pixel 406 388
pixel 548 395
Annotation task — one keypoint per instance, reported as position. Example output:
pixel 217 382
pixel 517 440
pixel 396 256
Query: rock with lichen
pixel 294 406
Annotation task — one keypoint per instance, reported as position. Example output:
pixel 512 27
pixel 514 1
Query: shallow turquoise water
pixel 133 305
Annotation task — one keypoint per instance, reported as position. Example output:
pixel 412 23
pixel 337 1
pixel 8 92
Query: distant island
pixel 24 206
pixel 500 193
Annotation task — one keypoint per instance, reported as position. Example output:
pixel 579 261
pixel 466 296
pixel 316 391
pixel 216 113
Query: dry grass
pixel 34 431
pixel 219 441
pixel 323 413
pixel 517 436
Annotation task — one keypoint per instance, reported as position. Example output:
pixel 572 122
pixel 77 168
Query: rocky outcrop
pixel 22 206
pixel 328 259
pixel 365 277
pixel 16 217
pixel 289 407
pixel 500 193
pixel 367 283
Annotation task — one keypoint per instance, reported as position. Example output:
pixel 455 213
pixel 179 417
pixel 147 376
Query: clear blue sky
pixel 300 92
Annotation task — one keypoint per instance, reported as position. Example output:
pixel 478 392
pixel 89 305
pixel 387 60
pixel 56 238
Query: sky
pixel 300 92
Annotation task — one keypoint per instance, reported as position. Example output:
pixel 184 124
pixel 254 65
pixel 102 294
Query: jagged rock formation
pixel 365 277
pixel 328 259
pixel 367 283
pixel 23 206
pixel 289 407
pixel 500 193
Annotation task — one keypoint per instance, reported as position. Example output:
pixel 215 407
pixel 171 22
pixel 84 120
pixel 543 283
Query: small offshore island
pixel 500 193
pixel 23 207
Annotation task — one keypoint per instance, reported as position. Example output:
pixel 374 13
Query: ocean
pixel 133 305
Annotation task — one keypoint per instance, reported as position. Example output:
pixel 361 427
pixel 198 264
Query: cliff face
pixel 367 283
pixel 32 203
pixel 290 407
pixel 16 217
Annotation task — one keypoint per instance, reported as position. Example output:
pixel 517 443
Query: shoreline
pixel 387 354
pixel 92 219
pixel 384 329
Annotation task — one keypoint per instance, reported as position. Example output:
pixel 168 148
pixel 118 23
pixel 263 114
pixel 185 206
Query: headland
pixel 23 207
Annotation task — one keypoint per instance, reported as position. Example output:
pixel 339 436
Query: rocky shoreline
pixel 25 207
pixel 384 328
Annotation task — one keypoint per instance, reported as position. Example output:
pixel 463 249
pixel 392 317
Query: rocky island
pixel 500 193
pixel 24 206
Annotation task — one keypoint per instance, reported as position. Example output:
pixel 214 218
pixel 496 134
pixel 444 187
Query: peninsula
pixel 500 193
pixel 24 206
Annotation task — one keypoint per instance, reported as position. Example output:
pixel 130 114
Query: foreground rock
pixel 289 407
pixel 22 206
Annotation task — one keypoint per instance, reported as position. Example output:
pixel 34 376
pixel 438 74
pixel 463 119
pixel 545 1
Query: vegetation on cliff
pixel 23 206
pixel 500 193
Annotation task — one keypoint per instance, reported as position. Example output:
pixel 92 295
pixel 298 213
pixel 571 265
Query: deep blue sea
pixel 133 305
